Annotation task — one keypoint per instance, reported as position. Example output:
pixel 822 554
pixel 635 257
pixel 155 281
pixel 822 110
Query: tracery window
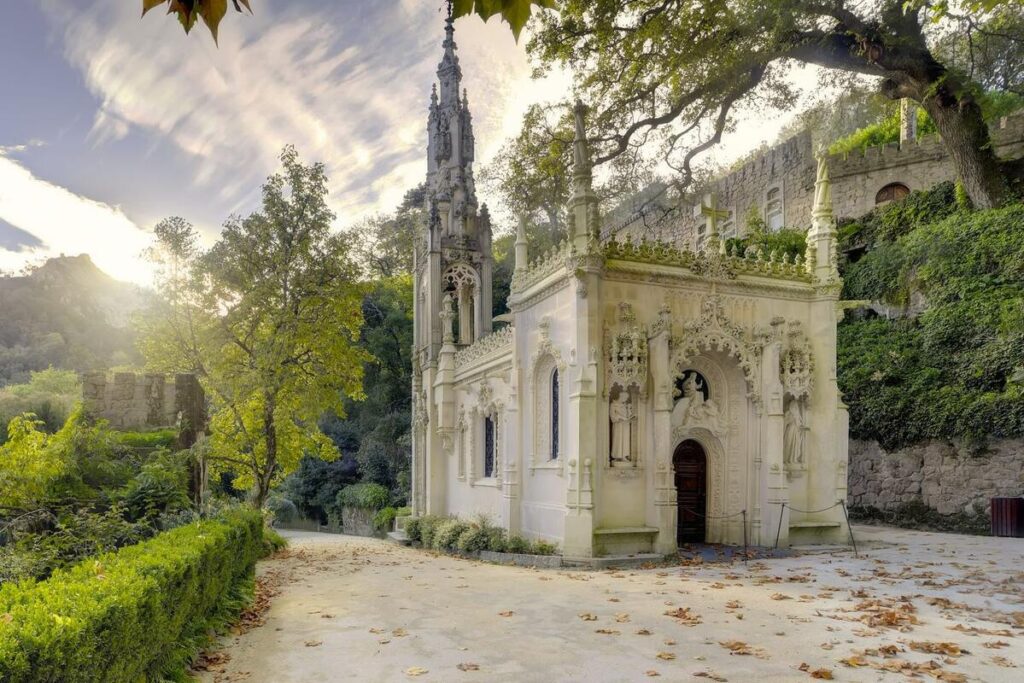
pixel 891 193
pixel 774 215
pixel 490 444
pixel 554 414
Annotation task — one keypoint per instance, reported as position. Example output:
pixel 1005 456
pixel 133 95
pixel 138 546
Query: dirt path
pixel 942 606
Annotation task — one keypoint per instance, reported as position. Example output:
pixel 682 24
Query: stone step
pixel 399 537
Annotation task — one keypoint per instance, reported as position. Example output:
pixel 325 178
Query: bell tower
pixel 452 262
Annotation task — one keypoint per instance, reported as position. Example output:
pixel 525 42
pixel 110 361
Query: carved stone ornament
pixel 627 353
pixel 796 364
pixel 715 332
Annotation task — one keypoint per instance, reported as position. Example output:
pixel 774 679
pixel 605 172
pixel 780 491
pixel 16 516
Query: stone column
pixel 665 507
pixel 774 485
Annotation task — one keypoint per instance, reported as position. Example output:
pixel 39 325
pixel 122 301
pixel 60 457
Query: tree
pixel 531 174
pixel 674 70
pixel 515 12
pixel 385 242
pixel 269 319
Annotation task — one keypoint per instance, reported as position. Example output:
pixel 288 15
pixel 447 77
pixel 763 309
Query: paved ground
pixel 934 606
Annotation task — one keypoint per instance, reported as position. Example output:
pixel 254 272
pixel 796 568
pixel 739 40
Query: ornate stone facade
pixel 639 392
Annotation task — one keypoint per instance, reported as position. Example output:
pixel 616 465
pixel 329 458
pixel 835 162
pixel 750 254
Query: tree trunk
pixel 966 136
pixel 266 476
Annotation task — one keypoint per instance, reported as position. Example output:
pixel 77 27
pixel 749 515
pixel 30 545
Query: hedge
pixel 136 614
pixel 365 495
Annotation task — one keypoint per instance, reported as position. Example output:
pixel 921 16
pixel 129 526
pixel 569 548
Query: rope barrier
pixel 838 503
pixel 735 514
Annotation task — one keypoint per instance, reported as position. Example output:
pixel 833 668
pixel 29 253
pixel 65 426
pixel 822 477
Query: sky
pixel 109 122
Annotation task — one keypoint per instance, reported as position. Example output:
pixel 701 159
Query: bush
pixel 137 614
pixel 166 438
pixel 160 487
pixel 446 536
pixel 781 242
pixel 518 545
pixel 272 542
pixel 427 527
pixel 412 529
pixel 544 548
pixel 364 495
pixel 383 520
pixel 282 509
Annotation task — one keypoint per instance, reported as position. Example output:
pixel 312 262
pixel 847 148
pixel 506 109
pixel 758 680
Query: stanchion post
pixel 778 532
pixel 849 528
pixel 745 552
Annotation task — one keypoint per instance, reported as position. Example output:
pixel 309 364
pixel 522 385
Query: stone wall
pixel 944 476
pixel 856 178
pixel 128 400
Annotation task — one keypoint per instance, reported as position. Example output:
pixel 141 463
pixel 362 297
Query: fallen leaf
pixel 587 616
pixel 667 656
pixel 314 643
pixel 416 671
pixel 780 596
pixel 712 675
pixel 468 666
pixel 607 632
pixel 736 647
pixel 651 673
pixel 506 613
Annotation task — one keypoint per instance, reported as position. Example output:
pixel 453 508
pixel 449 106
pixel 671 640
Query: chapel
pixel 639 395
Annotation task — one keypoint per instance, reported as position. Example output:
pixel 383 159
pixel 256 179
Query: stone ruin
pixel 128 400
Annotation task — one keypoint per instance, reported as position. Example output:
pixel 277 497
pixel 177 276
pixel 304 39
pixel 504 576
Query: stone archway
pixel 690 469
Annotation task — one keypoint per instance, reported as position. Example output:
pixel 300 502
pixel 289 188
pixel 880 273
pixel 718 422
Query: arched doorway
pixel 690 465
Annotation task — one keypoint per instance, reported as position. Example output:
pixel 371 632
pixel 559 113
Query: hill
pixel 66 313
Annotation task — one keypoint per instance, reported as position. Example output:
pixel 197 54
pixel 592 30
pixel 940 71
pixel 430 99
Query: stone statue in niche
pixel 696 407
pixel 794 435
pixel 621 415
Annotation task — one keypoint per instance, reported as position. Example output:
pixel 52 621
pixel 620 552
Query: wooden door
pixel 690 465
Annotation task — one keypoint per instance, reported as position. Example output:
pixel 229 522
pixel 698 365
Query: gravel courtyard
pixel 933 606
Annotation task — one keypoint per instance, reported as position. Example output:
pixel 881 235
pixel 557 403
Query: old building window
pixel 891 193
pixel 554 414
pixel 774 215
pixel 490 438
pixel 728 226
pixel 698 244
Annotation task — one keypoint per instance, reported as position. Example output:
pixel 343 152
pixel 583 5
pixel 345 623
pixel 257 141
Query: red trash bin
pixel 1008 517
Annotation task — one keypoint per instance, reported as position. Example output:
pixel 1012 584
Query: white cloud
pixel 347 83
pixel 68 223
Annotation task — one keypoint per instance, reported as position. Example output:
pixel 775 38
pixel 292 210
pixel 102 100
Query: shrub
pixel 272 542
pixel 364 495
pixel 446 536
pixel 517 544
pixel 137 614
pixel 544 548
pixel 412 529
pixel 428 527
pixel 781 242
pixel 383 520
pixel 496 540
pixel 160 487
pixel 157 438
pixel 282 509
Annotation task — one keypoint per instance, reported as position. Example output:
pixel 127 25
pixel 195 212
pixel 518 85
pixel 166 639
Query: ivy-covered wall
pixel 935 386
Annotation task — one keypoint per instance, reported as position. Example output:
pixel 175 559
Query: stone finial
pixel 822 189
pixel 522 246
pixel 580 146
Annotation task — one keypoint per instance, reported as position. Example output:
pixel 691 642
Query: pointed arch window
pixel 490 444
pixel 554 413
pixel 774 215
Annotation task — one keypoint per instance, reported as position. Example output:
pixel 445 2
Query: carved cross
pixel 709 209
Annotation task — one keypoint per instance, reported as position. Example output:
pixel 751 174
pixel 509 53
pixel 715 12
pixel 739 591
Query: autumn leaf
pixel 314 643
pixel 667 656
pixel 416 671
pixel 468 666
pixel 736 647
pixel 587 616
pixel 506 613
pixel 607 632
pixel 651 673
pixel 855 661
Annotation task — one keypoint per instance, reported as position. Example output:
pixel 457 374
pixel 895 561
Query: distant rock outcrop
pixel 66 313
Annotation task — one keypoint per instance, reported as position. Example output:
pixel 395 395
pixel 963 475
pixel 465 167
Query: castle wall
pixel 128 400
pixel 856 177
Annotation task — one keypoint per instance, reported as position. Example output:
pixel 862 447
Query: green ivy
pixel 948 372
pixel 364 495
